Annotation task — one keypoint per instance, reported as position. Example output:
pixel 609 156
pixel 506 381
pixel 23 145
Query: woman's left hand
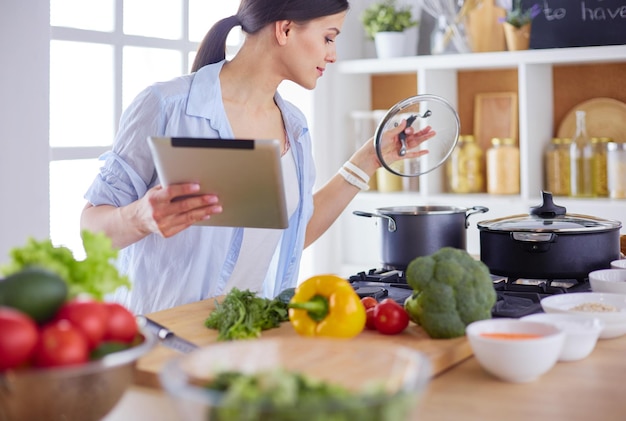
pixel 391 144
pixel 367 159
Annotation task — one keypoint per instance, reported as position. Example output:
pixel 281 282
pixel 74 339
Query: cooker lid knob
pixel 548 209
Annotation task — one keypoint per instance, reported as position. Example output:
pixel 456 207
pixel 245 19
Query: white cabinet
pixel 352 244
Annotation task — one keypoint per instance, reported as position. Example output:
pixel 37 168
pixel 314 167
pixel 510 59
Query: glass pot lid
pixel 420 111
pixel 549 218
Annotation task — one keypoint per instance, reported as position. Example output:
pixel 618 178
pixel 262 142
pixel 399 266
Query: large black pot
pixel 411 231
pixel 548 243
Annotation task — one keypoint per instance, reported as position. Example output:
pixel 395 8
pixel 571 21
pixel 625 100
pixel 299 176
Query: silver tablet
pixel 245 174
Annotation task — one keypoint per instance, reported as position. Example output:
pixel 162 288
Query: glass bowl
pixel 384 381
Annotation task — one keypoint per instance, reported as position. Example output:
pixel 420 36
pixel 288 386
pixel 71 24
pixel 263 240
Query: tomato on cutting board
pixel 390 318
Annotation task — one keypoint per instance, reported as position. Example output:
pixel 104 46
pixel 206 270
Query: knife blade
pixel 166 336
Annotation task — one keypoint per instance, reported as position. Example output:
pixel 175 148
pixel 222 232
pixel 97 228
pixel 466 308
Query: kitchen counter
pixel 588 389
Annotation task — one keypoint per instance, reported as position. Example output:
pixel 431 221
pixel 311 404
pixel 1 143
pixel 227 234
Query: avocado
pixel 37 292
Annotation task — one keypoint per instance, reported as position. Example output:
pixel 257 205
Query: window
pixel 102 54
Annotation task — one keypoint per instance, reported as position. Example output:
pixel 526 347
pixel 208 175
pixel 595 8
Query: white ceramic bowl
pixel 515 360
pixel 614 321
pixel 581 333
pixel 618 264
pixel 608 280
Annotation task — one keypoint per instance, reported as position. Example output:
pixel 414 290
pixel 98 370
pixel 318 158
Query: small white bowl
pixel 608 280
pixel 618 264
pixel 515 360
pixel 581 333
pixel 614 321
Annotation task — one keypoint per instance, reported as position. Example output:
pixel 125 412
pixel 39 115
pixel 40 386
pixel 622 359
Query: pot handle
pixel 391 223
pixel 472 211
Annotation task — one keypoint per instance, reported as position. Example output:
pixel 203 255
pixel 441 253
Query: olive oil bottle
pixel 581 159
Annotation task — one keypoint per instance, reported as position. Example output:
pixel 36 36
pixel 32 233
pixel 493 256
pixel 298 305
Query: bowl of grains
pixel 610 308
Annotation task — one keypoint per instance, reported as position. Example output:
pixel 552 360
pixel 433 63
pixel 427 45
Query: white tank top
pixel 257 264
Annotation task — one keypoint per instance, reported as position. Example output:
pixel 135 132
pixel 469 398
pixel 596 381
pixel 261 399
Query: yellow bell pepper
pixel 326 305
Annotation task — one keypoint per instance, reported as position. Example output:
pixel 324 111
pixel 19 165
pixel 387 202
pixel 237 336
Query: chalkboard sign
pixel 578 23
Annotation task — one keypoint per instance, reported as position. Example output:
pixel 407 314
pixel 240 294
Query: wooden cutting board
pixel 187 321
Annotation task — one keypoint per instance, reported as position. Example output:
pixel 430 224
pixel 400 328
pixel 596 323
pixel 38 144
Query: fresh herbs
pixel 96 275
pixel 243 315
pixel 281 395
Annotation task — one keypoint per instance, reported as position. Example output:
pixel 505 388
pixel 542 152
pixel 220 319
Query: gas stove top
pixel 516 297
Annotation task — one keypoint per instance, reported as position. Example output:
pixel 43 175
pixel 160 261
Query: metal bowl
pixel 84 392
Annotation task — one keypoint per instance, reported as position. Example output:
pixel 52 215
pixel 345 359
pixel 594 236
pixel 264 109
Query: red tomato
pixel 369 321
pixel 87 315
pixel 60 344
pixel 121 324
pixel 18 338
pixel 390 317
pixel 369 302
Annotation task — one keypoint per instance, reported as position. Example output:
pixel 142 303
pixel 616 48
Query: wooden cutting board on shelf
pixel 187 321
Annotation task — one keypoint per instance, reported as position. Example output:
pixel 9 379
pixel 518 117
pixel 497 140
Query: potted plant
pixel 385 22
pixel 517 23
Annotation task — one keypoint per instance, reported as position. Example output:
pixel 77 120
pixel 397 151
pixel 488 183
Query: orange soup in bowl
pixel 510 336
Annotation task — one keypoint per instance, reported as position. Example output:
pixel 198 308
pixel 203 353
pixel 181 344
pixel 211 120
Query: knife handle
pixel 161 331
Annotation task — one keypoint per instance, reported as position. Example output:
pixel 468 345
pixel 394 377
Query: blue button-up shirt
pixel 196 263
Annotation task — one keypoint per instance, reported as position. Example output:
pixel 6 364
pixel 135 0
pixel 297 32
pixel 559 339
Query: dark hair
pixel 253 15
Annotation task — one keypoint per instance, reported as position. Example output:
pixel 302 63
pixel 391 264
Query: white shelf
pixel 495 60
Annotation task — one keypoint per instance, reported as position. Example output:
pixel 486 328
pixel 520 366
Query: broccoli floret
pixel 451 289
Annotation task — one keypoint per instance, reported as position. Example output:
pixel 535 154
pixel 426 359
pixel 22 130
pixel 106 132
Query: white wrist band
pixel 356 170
pixel 355 181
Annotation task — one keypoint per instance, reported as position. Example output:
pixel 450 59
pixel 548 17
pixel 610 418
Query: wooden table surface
pixel 592 388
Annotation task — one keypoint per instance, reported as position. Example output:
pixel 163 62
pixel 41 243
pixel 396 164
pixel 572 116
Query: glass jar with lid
pixel 465 167
pixel 599 166
pixel 503 166
pixel 557 166
pixel 616 170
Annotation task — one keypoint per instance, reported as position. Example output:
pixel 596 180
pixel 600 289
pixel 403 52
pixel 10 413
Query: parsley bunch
pixel 243 315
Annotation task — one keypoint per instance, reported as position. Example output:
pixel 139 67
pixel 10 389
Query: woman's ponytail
pixel 212 49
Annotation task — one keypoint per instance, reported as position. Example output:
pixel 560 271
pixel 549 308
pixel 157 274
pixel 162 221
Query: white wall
pixel 24 87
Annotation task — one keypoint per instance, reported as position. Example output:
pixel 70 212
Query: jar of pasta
pixel 503 166
pixel 599 166
pixel 465 167
pixel 557 166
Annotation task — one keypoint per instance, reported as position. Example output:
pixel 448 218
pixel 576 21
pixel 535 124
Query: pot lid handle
pixel 548 209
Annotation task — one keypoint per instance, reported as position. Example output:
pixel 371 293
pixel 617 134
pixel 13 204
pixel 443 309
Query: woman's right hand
pixel 169 210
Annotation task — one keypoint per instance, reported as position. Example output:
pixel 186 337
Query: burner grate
pixel 516 297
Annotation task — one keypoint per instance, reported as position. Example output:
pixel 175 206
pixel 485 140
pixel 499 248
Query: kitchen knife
pixel 166 336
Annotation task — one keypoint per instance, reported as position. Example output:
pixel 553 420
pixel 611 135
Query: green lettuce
pixel 96 275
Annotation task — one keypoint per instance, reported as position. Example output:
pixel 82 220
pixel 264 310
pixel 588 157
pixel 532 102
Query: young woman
pixel 169 261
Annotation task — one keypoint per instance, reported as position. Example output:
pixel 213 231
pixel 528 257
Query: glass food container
pixel 465 167
pixel 557 166
pixel 503 166
pixel 616 170
pixel 599 166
